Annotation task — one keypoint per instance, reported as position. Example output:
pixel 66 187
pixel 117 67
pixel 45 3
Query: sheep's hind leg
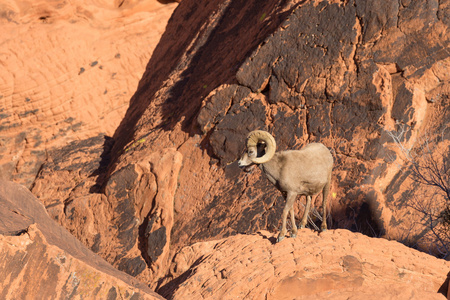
pixel 290 198
pixel 325 192
pixel 305 214
pixel 294 227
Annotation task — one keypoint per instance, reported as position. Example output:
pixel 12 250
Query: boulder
pixel 337 264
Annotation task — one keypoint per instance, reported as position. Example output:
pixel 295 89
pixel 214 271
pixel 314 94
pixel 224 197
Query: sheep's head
pixel 260 149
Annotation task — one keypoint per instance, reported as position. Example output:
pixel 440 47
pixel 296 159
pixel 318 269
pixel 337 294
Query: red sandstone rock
pixel 336 264
pixel 68 72
pixel 130 225
pixel 40 259
pixel 343 73
pixel 31 268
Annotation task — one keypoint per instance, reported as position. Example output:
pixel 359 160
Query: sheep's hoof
pixel 324 229
pixel 301 226
pixel 280 238
pixel 294 235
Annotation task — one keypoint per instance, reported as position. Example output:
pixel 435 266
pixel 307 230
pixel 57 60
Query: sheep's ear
pixel 252 151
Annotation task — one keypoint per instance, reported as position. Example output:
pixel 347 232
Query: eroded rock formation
pixel 41 259
pixel 345 73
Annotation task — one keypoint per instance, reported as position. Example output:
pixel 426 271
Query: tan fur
pixel 297 172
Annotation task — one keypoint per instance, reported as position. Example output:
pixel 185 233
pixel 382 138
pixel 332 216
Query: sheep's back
pixel 306 170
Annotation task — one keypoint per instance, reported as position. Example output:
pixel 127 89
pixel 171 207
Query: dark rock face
pixel 221 35
pixel 156 241
pixel 23 171
pixel 346 74
pixel 308 84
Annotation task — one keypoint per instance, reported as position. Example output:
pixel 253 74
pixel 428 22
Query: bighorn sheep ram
pixel 294 172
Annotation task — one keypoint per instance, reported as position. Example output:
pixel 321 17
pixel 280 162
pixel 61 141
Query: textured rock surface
pixel 40 259
pixel 130 224
pixel 342 73
pixel 345 74
pixel 337 264
pixel 68 72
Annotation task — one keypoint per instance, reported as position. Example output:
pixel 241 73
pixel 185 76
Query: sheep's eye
pixel 251 152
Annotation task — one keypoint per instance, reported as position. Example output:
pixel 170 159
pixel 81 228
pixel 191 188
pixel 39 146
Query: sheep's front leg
pixel 305 214
pixel 290 198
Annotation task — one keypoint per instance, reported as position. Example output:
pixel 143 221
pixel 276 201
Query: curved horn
pixel 257 136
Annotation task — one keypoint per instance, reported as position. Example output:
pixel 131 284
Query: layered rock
pixel 40 259
pixel 68 72
pixel 342 73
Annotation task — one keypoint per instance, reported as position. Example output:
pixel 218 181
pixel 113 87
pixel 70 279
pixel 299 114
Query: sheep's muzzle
pixel 248 168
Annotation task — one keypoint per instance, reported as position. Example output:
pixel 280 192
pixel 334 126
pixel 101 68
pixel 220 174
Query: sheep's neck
pixel 272 172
